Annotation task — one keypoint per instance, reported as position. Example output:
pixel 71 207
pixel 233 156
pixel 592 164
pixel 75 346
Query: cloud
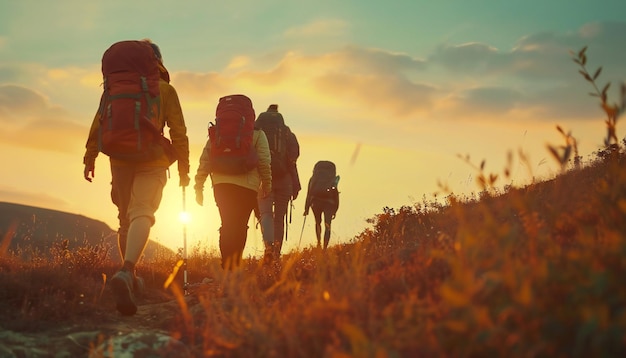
pixel 537 57
pixel 511 103
pixel 16 101
pixel 483 101
pixel 398 95
pixel 366 59
pixel 59 81
pixel 468 58
pixel 199 86
pixel 29 120
pixel 319 27
pixel 14 73
pixel 8 73
pixel 535 79
pixel 531 60
pixel 238 62
pixel 349 77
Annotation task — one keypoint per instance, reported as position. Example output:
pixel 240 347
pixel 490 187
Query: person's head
pixel 156 49
pixel 272 108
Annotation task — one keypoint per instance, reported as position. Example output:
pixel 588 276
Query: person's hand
pixel 306 212
pixel 89 172
pixel 294 195
pixel 199 197
pixel 265 190
pixel 184 180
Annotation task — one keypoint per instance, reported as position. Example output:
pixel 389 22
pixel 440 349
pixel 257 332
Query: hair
pixel 272 107
pixel 155 48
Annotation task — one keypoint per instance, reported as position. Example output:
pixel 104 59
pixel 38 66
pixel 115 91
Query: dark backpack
pixel 323 182
pixel 232 149
pixel 277 133
pixel 130 104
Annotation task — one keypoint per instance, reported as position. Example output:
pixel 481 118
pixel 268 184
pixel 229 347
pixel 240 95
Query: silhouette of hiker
pixel 272 209
pixel 136 186
pixel 235 192
pixel 323 198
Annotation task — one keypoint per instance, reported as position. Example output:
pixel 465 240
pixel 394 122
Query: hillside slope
pixel 514 272
pixel 31 229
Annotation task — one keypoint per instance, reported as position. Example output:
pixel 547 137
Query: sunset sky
pixel 391 91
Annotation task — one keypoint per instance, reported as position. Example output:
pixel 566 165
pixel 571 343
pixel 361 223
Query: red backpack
pixel 130 104
pixel 232 150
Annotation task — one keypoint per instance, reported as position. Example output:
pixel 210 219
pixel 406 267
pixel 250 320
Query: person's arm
pixel 202 173
pixel 336 202
pixel 173 116
pixel 265 170
pixel 293 147
pixel 309 199
pixel 91 149
pixel 293 153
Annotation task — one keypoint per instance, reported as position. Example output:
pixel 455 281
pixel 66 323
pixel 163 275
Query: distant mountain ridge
pixel 40 228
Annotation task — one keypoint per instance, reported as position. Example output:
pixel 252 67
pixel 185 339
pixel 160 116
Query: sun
pixel 184 217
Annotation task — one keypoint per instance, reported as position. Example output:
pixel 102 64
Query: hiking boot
pixel 122 285
pixel 139 286
pixel 268 256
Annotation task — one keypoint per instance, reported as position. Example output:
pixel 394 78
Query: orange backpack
pixel 130 104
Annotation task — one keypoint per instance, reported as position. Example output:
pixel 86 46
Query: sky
pixel 393 92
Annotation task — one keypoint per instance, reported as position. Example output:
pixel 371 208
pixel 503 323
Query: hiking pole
pixel 288 218
pixel 302 231
pixel 185 219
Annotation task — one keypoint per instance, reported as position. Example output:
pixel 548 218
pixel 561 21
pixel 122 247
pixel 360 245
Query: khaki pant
pixel 136 191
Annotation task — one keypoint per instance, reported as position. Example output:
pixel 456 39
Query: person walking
pixel 137 184
pixel 272 209
pixel 323 198
pixel 240 171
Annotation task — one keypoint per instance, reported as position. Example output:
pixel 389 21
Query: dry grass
pixel 533 271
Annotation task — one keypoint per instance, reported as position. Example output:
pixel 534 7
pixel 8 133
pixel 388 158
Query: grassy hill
pixel 533 271
pixel 29 232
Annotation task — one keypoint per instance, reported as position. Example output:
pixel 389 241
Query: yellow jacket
pixel 262 175
pixel 171 115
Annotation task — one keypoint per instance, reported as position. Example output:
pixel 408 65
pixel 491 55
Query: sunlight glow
pixel 184 217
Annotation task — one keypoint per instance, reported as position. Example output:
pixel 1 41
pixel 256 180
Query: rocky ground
pixel 103 332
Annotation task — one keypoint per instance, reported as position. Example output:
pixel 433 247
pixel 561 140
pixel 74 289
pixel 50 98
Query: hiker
pixel 323 198
pixel 137 179
pixel 238 161
pixel 272 209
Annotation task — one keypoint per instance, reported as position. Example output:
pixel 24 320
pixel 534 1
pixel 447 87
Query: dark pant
pixel 235 204
pixel 328 209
